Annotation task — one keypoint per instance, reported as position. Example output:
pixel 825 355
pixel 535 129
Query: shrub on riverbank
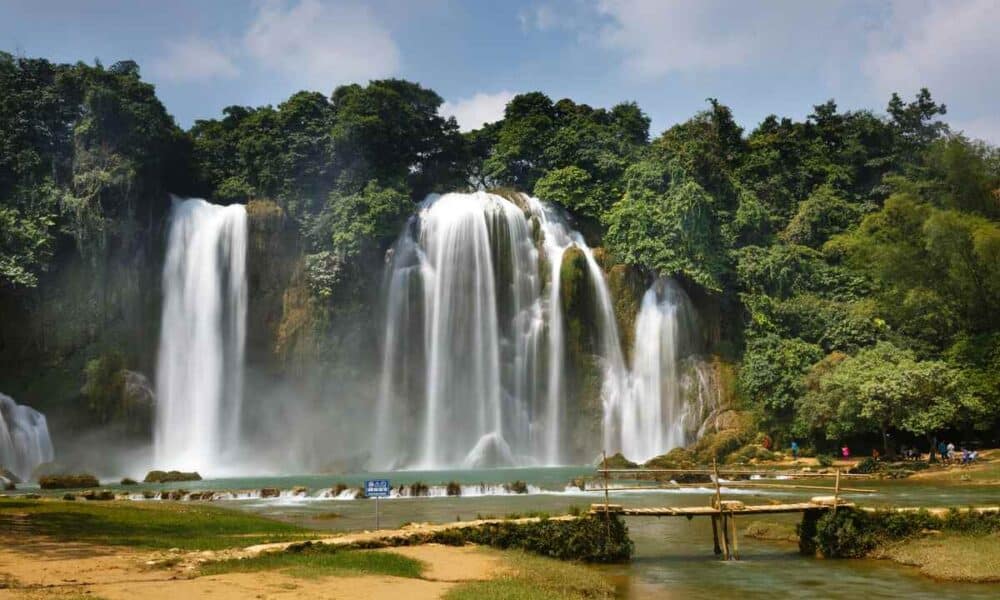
pixel 588 539
pixel 59 482
pixel 852 533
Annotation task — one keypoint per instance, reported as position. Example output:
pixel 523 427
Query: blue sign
pixel 377 488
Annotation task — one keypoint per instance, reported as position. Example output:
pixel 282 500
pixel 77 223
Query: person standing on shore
pixel 795 450
pixel 845 452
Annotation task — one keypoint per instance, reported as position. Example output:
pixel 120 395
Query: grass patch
pixel 319 561
pixel 982 472
pixel 163 525
pixel 952 557
pixel 536 578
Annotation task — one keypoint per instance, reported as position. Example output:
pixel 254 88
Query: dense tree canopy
pixel 860 252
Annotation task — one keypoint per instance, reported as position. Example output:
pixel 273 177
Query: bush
pixel 57 482
pixel 824 460
pixel 866 465
pixel 171 476
pixel 852 533
pixel 128 481
pixel 585 539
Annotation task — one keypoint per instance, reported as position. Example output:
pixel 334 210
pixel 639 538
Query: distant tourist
pixel 875 454
pixel 966 456
pixel 951 451
pixel 845 452
pixel 943 450
pixel 973 456
pixel 795 450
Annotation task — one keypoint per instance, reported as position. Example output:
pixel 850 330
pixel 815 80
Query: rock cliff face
pixel 102 298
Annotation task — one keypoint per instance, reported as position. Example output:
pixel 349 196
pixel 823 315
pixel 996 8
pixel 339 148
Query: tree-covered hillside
pixel 854 256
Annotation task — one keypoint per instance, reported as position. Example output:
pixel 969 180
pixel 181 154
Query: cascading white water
pixel 24 438
pixel 657 405
pixel 474 360
pixel 199 378
pixel 472 370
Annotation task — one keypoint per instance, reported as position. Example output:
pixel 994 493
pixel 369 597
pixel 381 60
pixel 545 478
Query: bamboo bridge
pixel 722 512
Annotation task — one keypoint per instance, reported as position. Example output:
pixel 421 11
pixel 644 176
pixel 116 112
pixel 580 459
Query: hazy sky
pixel 778 56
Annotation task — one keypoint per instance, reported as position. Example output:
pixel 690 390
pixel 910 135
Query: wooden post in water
pixel 736 537
pixel 715 535
pixel 836 491
pixel 717 503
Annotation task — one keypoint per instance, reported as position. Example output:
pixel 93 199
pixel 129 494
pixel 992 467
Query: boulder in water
pixel 171 476
pixel 58 482
pixel 270 493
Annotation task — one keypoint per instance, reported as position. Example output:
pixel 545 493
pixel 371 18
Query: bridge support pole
pixel 736 542
pixel 726 552
pixel 715 535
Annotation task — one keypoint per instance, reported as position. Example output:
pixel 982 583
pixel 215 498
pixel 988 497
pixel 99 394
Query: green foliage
pixel 772 372
pixel 885 387
pixel 673 233
pixel 104 386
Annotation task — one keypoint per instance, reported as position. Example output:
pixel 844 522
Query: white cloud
pixel 321 45
pixel 472 113
pixel 657 37
pixel 193 59
pixel 951 48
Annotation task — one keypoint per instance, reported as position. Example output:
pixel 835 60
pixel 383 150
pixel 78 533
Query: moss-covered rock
pixel 678 458
pixel 583 370
pixel 627 287
pixel 171 476
pixel 56 482
pixel 618 461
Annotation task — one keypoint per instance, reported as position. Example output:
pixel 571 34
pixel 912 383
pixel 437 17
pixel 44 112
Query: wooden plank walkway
pixel 728 507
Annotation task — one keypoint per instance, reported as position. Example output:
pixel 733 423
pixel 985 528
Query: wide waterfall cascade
pixel 199 378
pixel 661 401
pixel 24 438
pixel 472 366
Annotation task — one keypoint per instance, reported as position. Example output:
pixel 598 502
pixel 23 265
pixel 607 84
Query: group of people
pixel 946 450
pixel 948 453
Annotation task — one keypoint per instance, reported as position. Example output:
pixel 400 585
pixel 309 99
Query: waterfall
pixel 473 366
pixel 474 361
pixel 658 404
pixel 199 379
pixel 24 438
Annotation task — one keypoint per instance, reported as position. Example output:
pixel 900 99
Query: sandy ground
pixel 38 568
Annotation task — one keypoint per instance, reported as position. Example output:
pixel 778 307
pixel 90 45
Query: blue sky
pixel 777 56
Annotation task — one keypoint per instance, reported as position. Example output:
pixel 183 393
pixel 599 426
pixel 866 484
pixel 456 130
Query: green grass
pixel 536 578
pixel 983 472
pixel 163 525
pixel 951 556
pixel 321 561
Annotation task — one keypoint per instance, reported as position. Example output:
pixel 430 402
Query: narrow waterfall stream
pixel 24 438
pixel 199 379
pixel 663 398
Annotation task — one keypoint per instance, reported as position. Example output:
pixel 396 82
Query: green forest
pixel 853 257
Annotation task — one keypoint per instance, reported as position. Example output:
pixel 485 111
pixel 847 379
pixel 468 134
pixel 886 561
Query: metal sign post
pixel 377 488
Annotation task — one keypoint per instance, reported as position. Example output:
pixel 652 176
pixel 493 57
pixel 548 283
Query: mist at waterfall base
pixel 473 371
